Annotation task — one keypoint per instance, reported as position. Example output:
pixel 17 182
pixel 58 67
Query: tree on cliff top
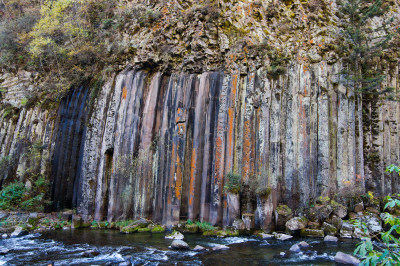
pixel 366 35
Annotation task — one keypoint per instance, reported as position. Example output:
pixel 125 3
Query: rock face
pixel 160 146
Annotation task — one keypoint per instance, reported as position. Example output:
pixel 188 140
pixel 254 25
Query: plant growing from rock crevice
pixel 233 183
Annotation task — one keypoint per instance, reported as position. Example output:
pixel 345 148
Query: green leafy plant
pixel 11 195
pixel 205 226
pixel 189 222
pixel 393 168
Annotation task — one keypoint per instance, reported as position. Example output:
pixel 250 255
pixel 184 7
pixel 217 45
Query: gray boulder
pixel 199 248
pixel 282 237
pixel 297 223
pixel 18 231
pixel 347 230
pixel 179 245
pixel 347 259
pixel 295 248
pixel 330 239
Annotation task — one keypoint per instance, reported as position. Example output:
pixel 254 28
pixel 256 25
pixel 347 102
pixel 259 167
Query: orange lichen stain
pixel 192 177
pixel 231 118
pixel 225 204
pixel 124 93
pixel 218 158
pixel 178 184
pixel 246 150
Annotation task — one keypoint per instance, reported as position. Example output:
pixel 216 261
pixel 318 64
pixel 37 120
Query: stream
pixel 68 248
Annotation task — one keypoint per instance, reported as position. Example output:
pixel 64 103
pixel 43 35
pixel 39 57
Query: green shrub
pixel 11 195
pixel 35 203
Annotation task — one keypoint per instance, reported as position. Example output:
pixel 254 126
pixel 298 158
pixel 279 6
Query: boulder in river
pixel 4 236
pixel 296 248
pixel 220 247
pixel 329 238
pixel 175 235
pixel 179 245
pixel 282 237
pixel 346 259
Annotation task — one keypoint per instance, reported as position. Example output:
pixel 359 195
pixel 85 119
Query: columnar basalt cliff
pixel 163 146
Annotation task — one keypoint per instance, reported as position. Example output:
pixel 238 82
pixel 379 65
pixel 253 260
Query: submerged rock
pixel 175 235
pixel 344 258
pixel 179 245
pixel 266 236
pixel 220 247
pixel 4 251
pixel 303 245
pixel 91 253
pixel 296 248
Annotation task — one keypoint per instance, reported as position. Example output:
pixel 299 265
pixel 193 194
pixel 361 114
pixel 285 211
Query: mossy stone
pixel 158 229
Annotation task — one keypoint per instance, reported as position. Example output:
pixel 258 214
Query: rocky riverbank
pixel 325 219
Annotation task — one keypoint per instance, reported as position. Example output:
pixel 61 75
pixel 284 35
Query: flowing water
pixel 68 247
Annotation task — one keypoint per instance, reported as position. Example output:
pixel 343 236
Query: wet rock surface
pixel 179 245
pixel 331 239
pixel 346 259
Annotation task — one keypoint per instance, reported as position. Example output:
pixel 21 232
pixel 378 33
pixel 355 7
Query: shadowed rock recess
pixel 162 146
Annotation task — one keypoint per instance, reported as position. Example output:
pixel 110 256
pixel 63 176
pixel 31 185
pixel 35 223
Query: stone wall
pixel 161 146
